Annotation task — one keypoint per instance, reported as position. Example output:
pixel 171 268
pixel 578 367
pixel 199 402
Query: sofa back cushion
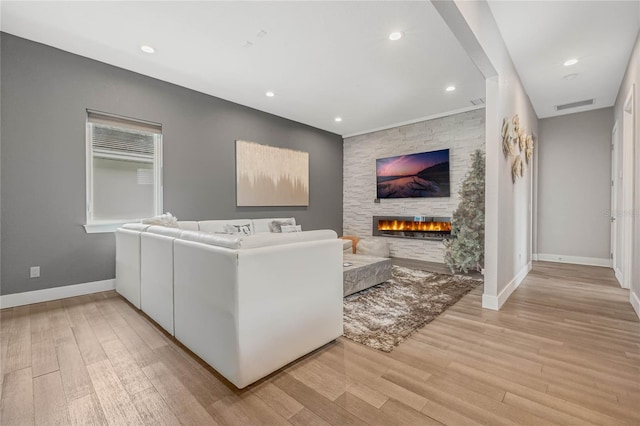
pixel 236 242
pixel 166 231
pixel 188 225
pixel 136 226
pixel 275 239
pixel 222 226
pixel 221 240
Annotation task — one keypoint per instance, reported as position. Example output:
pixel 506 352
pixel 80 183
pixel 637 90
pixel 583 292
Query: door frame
pixel 613 213
pixel 628 118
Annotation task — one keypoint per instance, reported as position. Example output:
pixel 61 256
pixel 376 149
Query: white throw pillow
pixel 285 229
pixel 166 219
pixel 276 225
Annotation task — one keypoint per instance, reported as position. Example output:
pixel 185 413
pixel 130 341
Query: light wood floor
pixel 565 349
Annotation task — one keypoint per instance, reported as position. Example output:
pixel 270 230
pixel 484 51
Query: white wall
pixel 460 133
pixel 508 228
pixel 574 187
pixel 631 78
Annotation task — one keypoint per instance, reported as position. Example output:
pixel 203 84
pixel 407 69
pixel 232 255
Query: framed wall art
pixel 271 176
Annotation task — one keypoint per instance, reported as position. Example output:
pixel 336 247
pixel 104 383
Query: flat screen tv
pixel 425 174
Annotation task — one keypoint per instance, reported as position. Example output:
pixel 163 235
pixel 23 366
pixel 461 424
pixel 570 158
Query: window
pixel 124 171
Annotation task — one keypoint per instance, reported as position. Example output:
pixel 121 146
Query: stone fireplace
pixel 413 227
pixel 461 133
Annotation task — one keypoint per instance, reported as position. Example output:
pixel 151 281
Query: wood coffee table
pixel 364 272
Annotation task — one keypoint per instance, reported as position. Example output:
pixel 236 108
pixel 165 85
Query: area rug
pixel 383 316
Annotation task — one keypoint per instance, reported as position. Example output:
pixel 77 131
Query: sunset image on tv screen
pixel 425 174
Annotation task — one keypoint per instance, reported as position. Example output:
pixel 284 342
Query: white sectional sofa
pixel 246 304
pixel 156 274
pixel 128 261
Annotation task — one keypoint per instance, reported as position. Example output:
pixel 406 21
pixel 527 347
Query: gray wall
pixel 45 94
pixel 574 184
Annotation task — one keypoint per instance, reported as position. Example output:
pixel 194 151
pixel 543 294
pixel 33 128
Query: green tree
pixel 465 249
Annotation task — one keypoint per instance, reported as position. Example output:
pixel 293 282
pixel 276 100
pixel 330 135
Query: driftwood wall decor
pixel 517 146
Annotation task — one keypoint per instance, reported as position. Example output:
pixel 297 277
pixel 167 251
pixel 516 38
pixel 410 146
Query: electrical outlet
pixel 34 272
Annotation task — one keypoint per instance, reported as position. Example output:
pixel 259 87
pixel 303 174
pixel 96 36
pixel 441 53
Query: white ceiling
pixel 542 35
pixel 322 59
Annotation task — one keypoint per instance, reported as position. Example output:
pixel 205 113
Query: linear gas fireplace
pixel 416 227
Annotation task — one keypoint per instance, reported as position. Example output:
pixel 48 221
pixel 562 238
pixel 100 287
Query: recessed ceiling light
pixel 570 62
pixel 570 76
pixel 270 94
pixel 397 35
pixel 147 49
pixel 337 119
pixel 450 88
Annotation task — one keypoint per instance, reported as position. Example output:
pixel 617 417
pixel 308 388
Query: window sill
pixel 103 227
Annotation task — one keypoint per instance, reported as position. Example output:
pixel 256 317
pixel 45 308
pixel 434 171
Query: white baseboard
pixel 534 256
pixel 496 302
pixel 577 260
pixel 62 292
pixel 618 276
pixel 635 302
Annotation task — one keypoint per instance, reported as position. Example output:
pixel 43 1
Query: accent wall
pixel 460 133
pixel 45 94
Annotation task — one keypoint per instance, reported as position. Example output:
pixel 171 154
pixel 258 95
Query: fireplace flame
pixel 407 225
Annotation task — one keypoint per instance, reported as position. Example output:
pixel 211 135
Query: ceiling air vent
pixel 574 105
pixel 479 101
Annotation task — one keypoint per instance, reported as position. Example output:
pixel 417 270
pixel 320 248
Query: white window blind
pixel 124 166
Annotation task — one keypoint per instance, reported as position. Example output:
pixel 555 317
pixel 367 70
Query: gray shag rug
pixel 384 315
